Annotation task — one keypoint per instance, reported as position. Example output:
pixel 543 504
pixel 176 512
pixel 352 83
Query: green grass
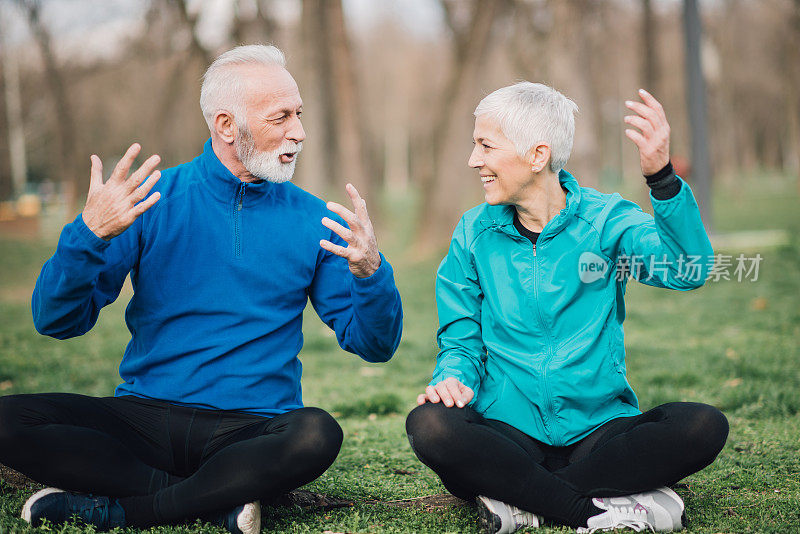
pixel 731 344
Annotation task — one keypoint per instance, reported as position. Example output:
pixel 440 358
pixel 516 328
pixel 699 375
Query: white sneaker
pixel 659 510
pixel 500 518
pixel 245 519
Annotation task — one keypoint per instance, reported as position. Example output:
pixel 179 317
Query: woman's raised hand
pixel 449 391
pixel 112 207
pixel 652 136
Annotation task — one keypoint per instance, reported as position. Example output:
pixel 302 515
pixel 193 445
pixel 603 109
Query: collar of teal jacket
pixel 501 218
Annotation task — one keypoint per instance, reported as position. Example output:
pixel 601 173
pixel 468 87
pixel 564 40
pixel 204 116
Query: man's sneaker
pixel 660 510
pixel 500 518
pixel 59 506
pixel 245 519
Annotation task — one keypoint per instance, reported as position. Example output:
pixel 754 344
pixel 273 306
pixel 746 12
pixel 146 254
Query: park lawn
pixel 731 344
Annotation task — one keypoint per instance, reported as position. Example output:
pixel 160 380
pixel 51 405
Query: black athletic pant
pixel 166 463
pixel 478 456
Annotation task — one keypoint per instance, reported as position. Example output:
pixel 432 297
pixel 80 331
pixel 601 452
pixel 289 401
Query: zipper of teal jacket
pixel 237 221
pixel 550 409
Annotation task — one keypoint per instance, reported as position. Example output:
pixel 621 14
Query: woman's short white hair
pixel 223 87
pixel 533 113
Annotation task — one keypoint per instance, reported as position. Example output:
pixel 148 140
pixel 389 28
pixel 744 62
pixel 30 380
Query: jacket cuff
pixel 664 184
pixel 88 237
pixel 383 274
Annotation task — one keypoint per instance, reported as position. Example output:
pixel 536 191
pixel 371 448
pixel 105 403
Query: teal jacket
pixel 536 332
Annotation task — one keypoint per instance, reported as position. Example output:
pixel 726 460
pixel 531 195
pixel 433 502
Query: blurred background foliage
pixel 389 88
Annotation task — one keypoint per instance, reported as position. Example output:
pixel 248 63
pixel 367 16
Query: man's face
pixel 505 174
pixel 268 145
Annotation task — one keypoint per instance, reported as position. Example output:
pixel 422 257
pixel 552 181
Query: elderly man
pixel 223 255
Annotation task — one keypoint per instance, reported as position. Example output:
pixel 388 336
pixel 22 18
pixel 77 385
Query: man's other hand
pixel 362 246
pixel 112 207
pixel 653 139
pixel 449 391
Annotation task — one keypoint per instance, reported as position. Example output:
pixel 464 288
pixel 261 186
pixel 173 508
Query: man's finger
pixel 353 193
pixel 422 399
pixel 145 204
pixel 359 203
pixel 96 173
pixel 344 233
pixel 349 217
pixel 124 164
pixel 144 170
pixel 444 393
pixel 334 248
pixel 430 391
pixel 145 188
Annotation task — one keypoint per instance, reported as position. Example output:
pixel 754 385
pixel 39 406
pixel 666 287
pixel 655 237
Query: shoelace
pixel 639 521
pixel 522 517
pixel 93 511
pixel 620 518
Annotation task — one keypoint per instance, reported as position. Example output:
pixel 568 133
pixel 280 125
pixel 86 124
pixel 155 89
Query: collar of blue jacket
pixel 220 181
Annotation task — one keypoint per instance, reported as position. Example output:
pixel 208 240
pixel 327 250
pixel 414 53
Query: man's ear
pixel 539 157
pixel 225 126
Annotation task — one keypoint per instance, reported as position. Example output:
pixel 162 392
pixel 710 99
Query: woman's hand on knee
pixel 449 391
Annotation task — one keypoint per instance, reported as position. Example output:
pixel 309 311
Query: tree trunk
pixel 319 162
pixel 573 20
pixel 68 162
pixel 696 98
pixel 453 125
pixel 649 42
pixel 793 90
pixel 16 130
pixel 350 126
pixel 196 57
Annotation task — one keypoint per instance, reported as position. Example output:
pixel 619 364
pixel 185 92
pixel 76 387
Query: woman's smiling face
pixel 506 175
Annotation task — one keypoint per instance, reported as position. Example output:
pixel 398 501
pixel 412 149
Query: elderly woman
pixel 529 409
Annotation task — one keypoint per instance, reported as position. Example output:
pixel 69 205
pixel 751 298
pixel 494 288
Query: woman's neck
pixel 545 199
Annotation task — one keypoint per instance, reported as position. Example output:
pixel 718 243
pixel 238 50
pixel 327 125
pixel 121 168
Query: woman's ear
pixel 539 157
pixel 225 126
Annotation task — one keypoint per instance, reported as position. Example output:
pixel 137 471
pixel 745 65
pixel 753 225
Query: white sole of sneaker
pixel 681 522
pixel 490 521
pixel 26 508
pixel 668 491
pixel 249 520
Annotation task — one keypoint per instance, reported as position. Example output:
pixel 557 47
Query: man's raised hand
pixel 653 139
pixel 361 252
pixel 112 207
pixel 449 391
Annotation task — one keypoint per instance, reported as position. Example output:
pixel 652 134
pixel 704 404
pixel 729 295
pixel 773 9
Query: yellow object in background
pixel 29 205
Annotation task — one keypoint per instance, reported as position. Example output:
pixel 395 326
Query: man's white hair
pixel 531 114
pixel 223 87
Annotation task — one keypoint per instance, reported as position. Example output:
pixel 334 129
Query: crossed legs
pixel 478 456
pixel 166 463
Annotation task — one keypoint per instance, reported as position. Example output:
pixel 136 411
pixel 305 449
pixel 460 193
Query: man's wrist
pixel 372 268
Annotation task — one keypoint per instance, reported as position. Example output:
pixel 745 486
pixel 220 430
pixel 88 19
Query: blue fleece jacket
pixel 221 272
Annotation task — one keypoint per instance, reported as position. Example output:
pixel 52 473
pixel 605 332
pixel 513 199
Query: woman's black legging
pixel 166 463
pixel 478 456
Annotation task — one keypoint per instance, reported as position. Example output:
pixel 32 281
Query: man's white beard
pixel 266 165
